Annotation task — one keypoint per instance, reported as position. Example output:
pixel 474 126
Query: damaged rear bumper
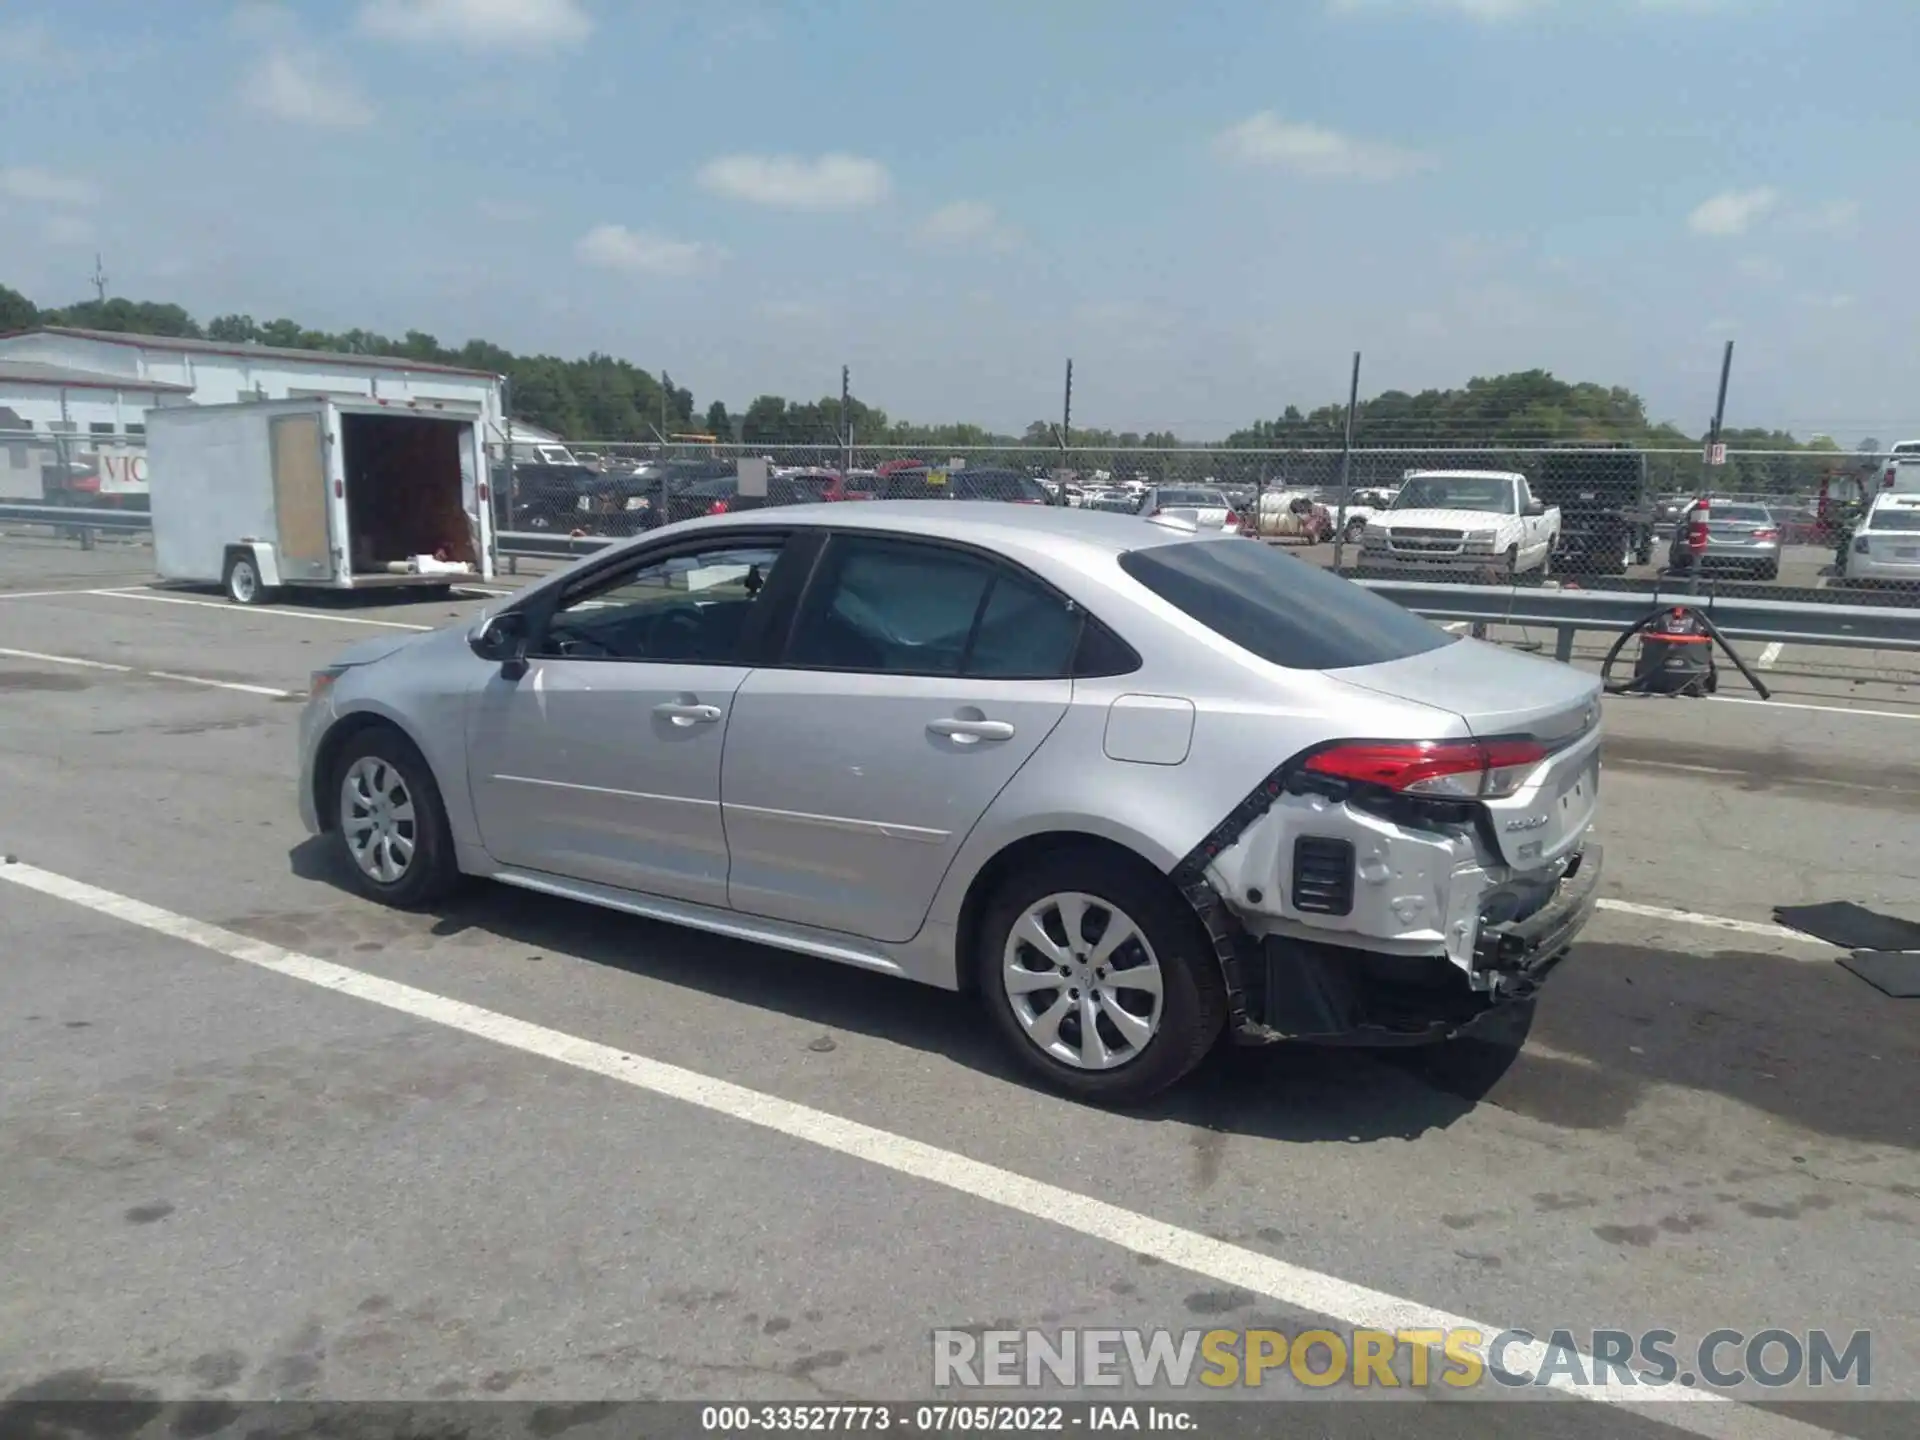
pixel 1339 995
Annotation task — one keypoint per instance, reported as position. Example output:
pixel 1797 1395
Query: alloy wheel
pixel 377 818
pixel 1083 981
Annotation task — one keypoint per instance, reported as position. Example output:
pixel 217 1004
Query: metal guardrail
pixel 1567 611
pixel 77 517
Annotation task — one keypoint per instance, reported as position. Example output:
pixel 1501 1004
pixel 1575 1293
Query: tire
pixel 241 580
pixel 381 762
pixel 1643 553
pixel 1192 1006
pixel 1356 532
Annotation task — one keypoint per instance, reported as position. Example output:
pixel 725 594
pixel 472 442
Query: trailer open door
pixel 475 500
pixel 304 542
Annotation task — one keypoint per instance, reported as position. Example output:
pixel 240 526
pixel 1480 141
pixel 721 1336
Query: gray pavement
pixel 224 1182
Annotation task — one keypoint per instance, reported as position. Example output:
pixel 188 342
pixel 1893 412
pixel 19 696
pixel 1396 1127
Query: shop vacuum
pixel 1676 646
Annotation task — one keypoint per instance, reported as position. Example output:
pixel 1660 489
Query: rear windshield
pixel 1284 610
pixel 1202 498
pixel 1902 519
pixel 1739 512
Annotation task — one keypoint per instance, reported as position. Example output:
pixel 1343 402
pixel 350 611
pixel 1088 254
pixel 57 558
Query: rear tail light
pixel 1697 532
pixel 1449 769
pixel 1766 534
pixel 1886 480
pixel 1233 521
pixel 718 507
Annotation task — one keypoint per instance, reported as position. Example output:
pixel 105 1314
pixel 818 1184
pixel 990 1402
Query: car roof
pixel 986 523
pixel 1464 475
pixel 1894 501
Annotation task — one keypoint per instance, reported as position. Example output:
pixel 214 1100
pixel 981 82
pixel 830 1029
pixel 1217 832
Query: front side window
pixel 691 608
pixel 894 607
pixel 1280 608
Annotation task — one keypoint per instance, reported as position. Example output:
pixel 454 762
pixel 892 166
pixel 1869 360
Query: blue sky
pixel 1208 205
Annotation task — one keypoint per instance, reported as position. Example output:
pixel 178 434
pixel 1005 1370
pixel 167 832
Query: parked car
pixel 813 728
pixel 968 484
pixel 1208 509
pixel 1885 546
pixel 1739 537
pixel 1485 520
pixel 721 495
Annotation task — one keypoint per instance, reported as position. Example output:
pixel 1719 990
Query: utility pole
pixel 99 279
pixel 1710 458
pixel 1066 436
pixel 846 419
pixel 1346 466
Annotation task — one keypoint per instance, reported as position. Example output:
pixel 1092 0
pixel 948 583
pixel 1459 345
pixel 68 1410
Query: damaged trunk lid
pixel 1501 695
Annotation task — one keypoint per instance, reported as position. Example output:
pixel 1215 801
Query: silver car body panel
pixel 857 835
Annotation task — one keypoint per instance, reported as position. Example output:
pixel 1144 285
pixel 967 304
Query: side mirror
pixel 502 639
pixel 1536 507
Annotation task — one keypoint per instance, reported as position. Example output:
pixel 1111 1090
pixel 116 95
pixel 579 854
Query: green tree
pixel 719 423
pixel 16 311
pixel 135 317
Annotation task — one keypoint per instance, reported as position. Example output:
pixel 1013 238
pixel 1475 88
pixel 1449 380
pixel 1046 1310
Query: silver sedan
pixel 1739 537
pixel 1135 786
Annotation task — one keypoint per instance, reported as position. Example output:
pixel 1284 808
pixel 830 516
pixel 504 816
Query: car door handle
pixel 969 731
pixel 684 714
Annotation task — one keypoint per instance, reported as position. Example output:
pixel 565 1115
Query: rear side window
pixel 1280 608
pixel 1906 519
pixel 889 607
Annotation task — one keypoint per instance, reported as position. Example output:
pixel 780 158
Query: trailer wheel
pixel 242 580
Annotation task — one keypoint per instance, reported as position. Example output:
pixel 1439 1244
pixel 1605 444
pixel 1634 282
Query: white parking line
pixel 1769 655
pixel 1711 922
pixel 232 609
pixel 1233 1265
pixel 50 594
pixel 74 660
pixel 1822 709
pixel 66 660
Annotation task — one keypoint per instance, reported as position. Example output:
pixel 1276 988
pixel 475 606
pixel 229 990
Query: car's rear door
pixel 918 680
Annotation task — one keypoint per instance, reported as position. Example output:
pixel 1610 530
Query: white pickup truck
pixel 1463 520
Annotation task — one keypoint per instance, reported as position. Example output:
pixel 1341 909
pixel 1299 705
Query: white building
pixel 73 402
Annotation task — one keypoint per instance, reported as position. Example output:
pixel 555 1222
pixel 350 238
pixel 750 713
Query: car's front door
pixel 601 762
pixel 918 679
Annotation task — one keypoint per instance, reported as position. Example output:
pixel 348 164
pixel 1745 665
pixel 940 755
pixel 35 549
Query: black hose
pixel 1734 655
pixel 1639 683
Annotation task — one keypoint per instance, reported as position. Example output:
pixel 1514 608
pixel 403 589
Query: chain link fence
pixel 1821 526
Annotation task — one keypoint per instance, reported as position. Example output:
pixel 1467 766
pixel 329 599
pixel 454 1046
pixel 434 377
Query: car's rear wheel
pixel 1099 978
pixel 389 821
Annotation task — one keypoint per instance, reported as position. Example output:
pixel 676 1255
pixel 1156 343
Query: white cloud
pixel 35 186
pixel 298 89
pixel 1760 268
pixel 791 182
pixel 1832 217
pixel 1732 212
pixel 968 225
pixel 1264 139
pixel 1494 12
pixel 69 230
pixel 25 44
pixel 1483 10
pixel 478 24
pixel 643 252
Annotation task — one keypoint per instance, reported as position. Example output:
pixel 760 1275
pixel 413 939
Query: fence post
pixel 1346 467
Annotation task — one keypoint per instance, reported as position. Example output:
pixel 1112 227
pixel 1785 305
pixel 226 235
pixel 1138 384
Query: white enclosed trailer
pixel 336 493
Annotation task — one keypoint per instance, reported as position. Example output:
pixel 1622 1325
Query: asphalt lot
pixel 232 1173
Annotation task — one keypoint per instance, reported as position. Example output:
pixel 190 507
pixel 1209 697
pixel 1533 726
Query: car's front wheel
pixel 390 823
pixel 1099 978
